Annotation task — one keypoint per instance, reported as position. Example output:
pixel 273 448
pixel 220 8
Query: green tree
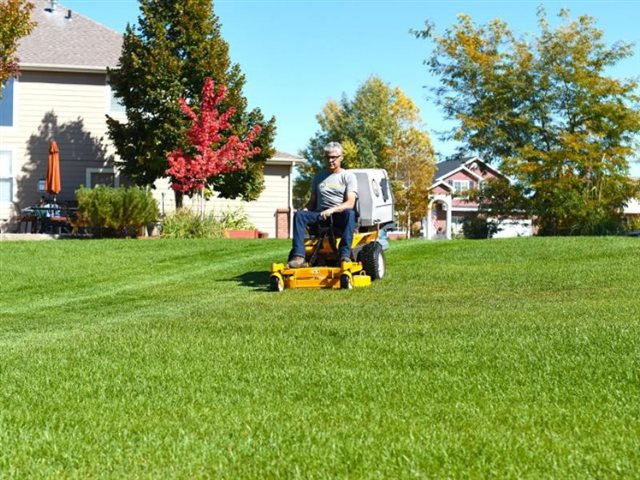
pixel 167 56
pixel 544 108
pixel 16 23
pixel 378 128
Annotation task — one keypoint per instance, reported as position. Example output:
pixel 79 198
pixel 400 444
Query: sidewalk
pixel 28 236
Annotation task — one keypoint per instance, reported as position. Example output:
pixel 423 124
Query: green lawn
pixel 170 359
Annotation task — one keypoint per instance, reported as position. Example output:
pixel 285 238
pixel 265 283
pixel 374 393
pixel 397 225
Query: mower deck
pixel 348 275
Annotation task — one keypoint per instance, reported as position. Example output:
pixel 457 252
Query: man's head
pixel 333 156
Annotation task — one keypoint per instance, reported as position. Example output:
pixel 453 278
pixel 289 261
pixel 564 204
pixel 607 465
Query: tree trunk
pixel 178 198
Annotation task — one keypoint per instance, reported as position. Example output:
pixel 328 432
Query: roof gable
pixel 441 184
pixel 63 39
pixel 469 166
pixel 476 163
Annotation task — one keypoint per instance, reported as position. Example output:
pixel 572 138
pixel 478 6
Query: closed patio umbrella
pixel 53 185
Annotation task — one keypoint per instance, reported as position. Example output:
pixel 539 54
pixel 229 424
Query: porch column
pixel 428 232
pixel 449 219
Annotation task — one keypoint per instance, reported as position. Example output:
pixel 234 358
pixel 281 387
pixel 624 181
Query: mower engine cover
pixel 375 200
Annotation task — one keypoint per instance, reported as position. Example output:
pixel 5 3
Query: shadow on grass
pixel 257 280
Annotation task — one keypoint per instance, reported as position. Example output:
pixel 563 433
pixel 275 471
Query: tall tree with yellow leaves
pixel 379 128
pixel 412 174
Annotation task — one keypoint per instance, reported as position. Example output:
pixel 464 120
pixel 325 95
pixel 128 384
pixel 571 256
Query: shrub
pixel 600 222
pixel 478 227
pixel 235 220
pixel 185 223
pixel 115 212
pixel 633 224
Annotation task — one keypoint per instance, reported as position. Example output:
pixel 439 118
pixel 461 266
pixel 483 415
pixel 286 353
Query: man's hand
pixel 349 203
pixel 325 214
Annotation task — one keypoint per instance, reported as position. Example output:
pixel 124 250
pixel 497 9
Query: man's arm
pixel 349 203
pixel 311 204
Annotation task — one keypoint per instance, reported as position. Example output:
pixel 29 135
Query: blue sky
pixel 298 54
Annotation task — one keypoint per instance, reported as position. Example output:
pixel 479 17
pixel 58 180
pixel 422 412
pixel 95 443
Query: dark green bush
pixel 116 212
pixel 478 227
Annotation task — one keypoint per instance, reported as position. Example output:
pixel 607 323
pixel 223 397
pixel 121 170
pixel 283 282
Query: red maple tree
pixel 213 152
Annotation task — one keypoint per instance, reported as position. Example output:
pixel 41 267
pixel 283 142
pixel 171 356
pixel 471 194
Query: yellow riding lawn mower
pixel 323 268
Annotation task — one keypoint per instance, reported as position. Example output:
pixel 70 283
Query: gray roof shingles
pixel 281 154
pixel 74 42
pixel 443 168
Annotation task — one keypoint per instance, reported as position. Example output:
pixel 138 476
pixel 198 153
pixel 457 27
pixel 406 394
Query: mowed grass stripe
pixel 124 292
pixel 127 280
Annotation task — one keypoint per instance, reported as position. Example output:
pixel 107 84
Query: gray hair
pixel 333 146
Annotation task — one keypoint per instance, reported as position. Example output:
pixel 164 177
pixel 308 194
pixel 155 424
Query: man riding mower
pixel 345 245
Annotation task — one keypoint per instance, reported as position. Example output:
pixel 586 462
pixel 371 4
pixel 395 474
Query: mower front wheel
pixel 346 282
pixel 276 283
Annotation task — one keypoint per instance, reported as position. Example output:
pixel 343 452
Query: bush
pixel 185 223
pixel 115 212
pixel 600 222
pixel 235 220
pixel 633 224
pixel 478 227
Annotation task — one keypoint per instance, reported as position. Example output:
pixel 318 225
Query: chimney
pixel 52 7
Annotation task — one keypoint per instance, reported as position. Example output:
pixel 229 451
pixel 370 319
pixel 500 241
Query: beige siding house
pixel 271 213
pixel 63 95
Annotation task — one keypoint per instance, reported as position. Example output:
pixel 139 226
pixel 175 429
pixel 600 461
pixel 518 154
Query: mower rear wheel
pixel 372 258
pixel 346 282
pixel 276 283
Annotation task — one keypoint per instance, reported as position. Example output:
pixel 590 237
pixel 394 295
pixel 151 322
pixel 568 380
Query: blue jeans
pixel 343 222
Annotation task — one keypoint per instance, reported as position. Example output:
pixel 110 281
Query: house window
pixel 115 103
pixel 6 104
pixel 461 185
pixel 102 176
pixel 6 176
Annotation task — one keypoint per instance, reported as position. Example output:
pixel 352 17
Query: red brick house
pixel 448 208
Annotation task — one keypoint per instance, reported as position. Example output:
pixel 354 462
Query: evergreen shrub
pixel 478 227
pixel 116 212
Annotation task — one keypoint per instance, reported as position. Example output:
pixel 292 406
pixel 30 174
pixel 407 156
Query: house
pixel 448 208
pixel 271 213
pixel 63 94
pixel 631 212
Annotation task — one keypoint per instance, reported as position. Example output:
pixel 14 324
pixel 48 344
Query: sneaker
pixel 296 262
pixel 345 259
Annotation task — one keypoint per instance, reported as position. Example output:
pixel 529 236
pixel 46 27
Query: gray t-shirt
pixel 331 188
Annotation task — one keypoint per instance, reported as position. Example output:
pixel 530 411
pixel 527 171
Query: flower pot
pixel 241 233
